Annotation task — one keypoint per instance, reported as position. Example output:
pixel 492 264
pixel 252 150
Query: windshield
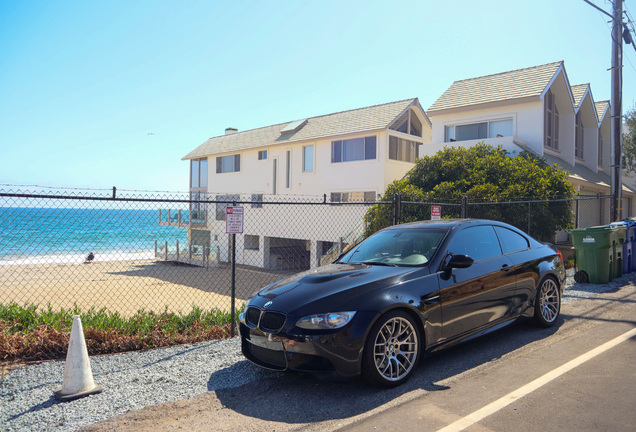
pixel 405 247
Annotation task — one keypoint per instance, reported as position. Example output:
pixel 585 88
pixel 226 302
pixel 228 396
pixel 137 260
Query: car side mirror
pixel 460 261
pixel 452 261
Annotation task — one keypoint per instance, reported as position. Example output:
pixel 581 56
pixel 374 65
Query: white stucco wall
pixel 590 148
pixel 527 121
pixel 508 143
pixel 256 176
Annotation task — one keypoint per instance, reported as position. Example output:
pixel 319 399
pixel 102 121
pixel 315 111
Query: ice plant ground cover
pixel 30 333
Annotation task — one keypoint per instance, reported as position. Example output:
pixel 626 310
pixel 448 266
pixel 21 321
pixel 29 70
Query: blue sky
pixel 83 83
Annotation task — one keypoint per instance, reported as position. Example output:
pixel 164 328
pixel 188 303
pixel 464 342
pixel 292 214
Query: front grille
pixel 272 321
pixel 275 358
pixel 252 316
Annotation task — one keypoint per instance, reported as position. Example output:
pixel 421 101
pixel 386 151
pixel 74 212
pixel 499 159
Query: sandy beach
pixel 127 286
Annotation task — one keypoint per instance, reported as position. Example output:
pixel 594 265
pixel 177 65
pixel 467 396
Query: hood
pixel 318 287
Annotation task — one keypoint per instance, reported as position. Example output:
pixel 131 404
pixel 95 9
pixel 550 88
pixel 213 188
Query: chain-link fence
pixel 535 217
pixel 157 252
pixel 126 252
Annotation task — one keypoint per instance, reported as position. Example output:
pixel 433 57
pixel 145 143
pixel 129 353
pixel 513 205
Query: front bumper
pixel 339 351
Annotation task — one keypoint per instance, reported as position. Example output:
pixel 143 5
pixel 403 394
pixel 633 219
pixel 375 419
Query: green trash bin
pixel 618 238
pixel 595 249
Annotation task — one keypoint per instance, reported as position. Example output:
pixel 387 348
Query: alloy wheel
pixel 549 300
pixel 395 349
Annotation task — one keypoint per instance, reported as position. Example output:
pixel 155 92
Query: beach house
pixel 535 109
pixel 348 156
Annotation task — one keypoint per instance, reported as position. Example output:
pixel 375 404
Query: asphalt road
pixel 596 395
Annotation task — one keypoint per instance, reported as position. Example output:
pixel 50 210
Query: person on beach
pixel 89 258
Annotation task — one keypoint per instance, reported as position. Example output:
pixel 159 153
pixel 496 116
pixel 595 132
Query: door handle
pixel 505 267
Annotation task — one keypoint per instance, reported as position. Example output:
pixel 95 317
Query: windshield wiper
pixel 379 263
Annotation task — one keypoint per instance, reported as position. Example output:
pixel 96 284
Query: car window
pixel 397 247
pixel 477 242
pixel 510 240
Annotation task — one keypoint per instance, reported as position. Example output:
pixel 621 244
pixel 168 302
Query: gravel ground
pixel 138 379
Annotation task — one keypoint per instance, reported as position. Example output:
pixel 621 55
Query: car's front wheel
pixel 548 303
pixel 391 350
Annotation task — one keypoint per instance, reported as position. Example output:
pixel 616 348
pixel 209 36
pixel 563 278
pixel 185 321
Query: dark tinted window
pixel 408 247
pixel 510 240
pixel 477 242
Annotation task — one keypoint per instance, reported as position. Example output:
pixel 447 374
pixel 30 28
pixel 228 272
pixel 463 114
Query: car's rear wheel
pixel 548 303
pixel 391 350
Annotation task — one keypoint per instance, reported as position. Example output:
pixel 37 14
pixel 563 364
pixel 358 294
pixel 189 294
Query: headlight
pixel 331 320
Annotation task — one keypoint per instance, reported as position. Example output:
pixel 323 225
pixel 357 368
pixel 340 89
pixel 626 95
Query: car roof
pixel 446 223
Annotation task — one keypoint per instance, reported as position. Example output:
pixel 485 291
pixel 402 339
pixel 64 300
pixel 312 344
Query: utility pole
pixel 616 101
pixel 616 147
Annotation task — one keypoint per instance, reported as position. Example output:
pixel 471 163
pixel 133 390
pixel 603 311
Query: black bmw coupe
pixel 403 293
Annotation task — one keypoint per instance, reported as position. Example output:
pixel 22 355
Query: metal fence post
pixel 233 308
pixel 166 250
pixel 395 211
pixel 177 250
pixel 529 217
pixel 464 207
pixel 114 192
pixel 576 215
pixel 397 208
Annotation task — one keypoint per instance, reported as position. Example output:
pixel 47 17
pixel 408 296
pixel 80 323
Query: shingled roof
pixel 339 123
pixel 581 172
pixel 516 84
pixel 577 92
pixel 601 107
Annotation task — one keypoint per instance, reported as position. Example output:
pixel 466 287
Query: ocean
pixel 61 235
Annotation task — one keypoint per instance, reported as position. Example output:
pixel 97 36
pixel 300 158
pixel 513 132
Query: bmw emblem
pixel 268 304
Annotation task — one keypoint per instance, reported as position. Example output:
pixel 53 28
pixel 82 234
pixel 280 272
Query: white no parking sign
pixel 234 220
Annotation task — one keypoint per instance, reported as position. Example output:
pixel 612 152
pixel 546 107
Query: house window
pixel 199 173
pixel 250 242
pixel 262 155
pixel 337 197
pixel 220 207
pixel 308 158
pixel 551 122
pixel 227 164
pixel 288 169
pixel 403 150
pixel 275 176
pixel 257 200
pixel 500 128
pixel 579 134
pixel 481 130
pixel 600 148
pixel 408 123
pixel 353 149
pixel 197 209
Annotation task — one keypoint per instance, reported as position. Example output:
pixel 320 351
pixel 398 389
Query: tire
pixel 581 277
pixel 547 305
pixel 392 350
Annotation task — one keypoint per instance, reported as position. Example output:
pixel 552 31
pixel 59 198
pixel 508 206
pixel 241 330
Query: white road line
pixel 479 415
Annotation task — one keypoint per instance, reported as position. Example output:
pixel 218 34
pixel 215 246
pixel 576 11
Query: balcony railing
pixel 201 255
pixel 182 218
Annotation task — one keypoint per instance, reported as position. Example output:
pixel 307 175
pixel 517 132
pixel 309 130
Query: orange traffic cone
pixel 78 377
